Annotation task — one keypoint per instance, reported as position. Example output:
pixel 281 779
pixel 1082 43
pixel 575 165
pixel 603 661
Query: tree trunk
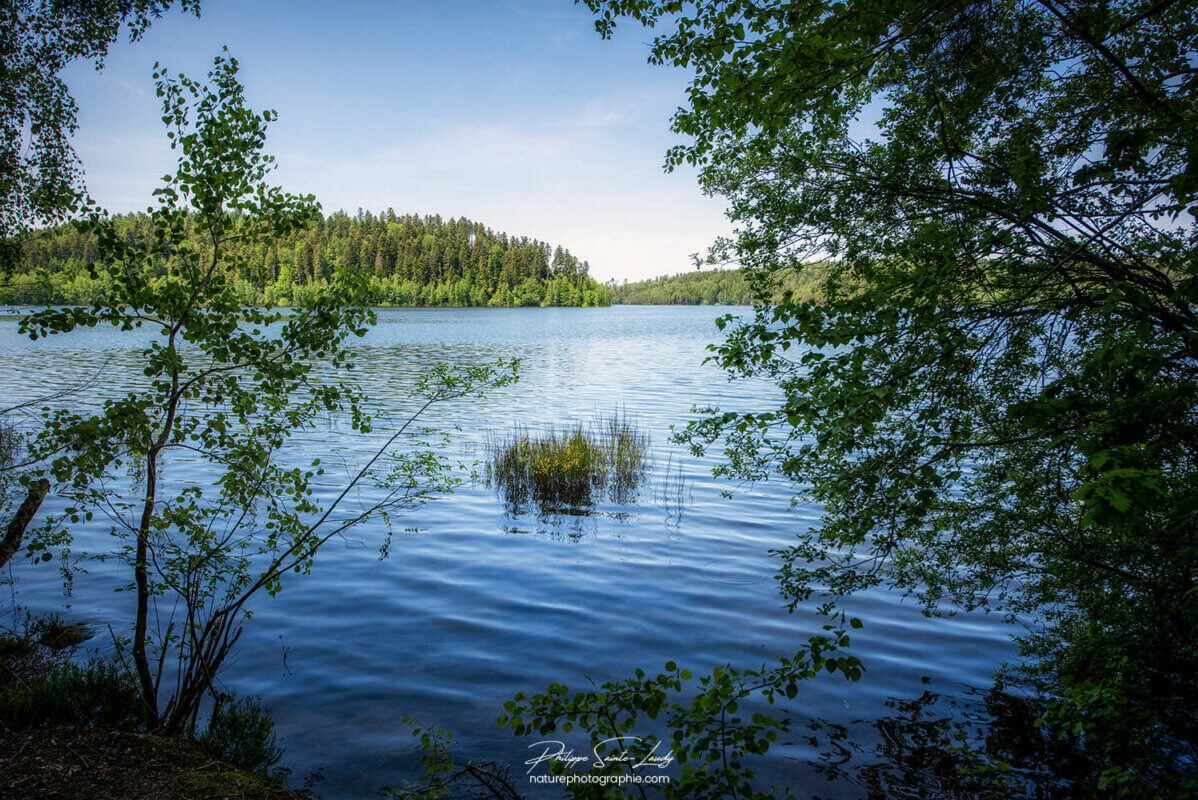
pixel 16 528
pixel 149 691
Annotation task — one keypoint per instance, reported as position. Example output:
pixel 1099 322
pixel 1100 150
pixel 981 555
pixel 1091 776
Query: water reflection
pixel 676 489
pixel 980 744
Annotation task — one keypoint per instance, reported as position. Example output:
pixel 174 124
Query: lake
pixel 475 603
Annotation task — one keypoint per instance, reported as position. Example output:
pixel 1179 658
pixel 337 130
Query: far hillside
pixel 709 287
pixel 411 260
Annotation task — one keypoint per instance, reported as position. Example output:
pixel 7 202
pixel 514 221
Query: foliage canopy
pixel 995 403
pixel 40 175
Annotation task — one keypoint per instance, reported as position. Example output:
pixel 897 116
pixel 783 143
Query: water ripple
pixel 475 603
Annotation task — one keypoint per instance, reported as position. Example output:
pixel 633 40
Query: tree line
pixel 409 260
pixel 716 287
pixel 698 288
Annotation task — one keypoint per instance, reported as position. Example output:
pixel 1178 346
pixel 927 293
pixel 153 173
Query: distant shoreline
pixel 7 307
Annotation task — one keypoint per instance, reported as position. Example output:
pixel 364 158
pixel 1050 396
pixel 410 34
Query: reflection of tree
pixel 986 744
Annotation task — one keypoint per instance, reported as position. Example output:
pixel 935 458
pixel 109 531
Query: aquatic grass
pixel 674 492
pixel 565 470
pixel 627 452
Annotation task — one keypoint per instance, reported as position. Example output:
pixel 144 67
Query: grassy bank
pixel 70 729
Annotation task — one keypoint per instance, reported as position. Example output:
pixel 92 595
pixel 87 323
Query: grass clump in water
pixel 566 470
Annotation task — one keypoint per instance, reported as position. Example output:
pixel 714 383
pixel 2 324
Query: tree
pixel 993 398
pixel 229 382
pixel 40 177
pixel 303 262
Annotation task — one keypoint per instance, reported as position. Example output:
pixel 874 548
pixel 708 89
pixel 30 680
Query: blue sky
pixel 514 114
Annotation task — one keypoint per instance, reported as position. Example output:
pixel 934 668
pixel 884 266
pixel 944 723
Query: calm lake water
pixel 474 603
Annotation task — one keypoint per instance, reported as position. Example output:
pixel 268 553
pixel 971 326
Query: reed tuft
pixel 568 469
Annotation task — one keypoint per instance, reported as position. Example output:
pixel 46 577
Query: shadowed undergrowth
pixel 62 707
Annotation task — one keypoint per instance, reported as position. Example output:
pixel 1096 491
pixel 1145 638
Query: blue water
pixel 474 603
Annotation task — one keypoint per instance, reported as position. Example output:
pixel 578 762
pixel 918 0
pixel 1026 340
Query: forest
pixel 409 260
pixel 716 287
pixel 698 288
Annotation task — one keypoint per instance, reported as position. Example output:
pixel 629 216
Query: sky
pixel 513 114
